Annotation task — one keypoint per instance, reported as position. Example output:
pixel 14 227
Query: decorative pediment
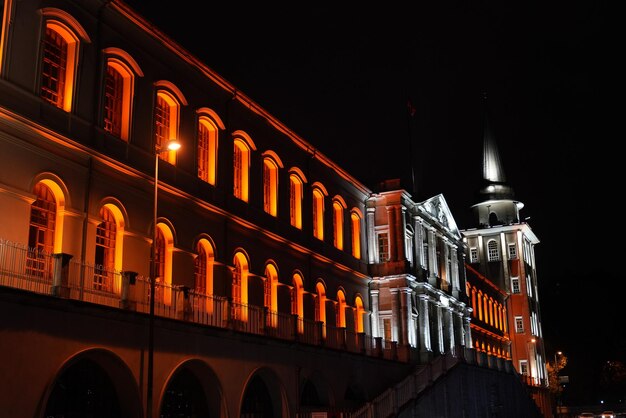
pixel 437 208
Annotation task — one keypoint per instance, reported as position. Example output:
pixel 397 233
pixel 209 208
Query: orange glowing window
pixel 360 313
pixel 165 124
pixel 297 294
pixel 203 268
pixel 270 186
pixel 341 309
pixel 318 214
pixel 479 304
pixel 241 167
pixel 338 225
pixel 474 313
pixel 240 287
pixel 270 292
pixel 320 303
pixel 355 220
pixel 113 99
pixel 54 68
pixel 41 231
pixel 207 150
pixel 106 233
pixel 159 256
pixel 295 200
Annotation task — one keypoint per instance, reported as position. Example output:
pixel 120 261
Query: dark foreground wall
pixel 470 391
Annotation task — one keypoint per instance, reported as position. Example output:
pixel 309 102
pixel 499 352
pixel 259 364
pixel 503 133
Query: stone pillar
pixel 456 289
pixel 446 269
pixel 374 318
pixel 60 275
pixel 405 315
pixel 417 242
pixel 424 325
pixel 467 331
pixel 400 227
pixel 371 235
pixel 448 329
pixel 439 328
pixel 432 258
pixel 393 233
pixel 396 318
pixel 128 280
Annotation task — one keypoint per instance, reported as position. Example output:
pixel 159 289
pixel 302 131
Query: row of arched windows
pixel 62 38
pixel 486 309
pixel 46 220
pixel 493 350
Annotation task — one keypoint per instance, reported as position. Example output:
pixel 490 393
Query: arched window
pixel 203 267
pixel 341 309
pixel 297 299
pixel 493 253
pixel 203 276
pixel 59 60
pixel 270 186
pixel 295 199
pixel 166 114
pixel 474 306
pixel 360 313
pixel 270 292
pixel 355 223
pixel 119 86
pixel 320 303
pixel 62 36
pixel 241 162
pixel 164 247
pixel 479 304
pixel 207 148
pixel 240 287
pixel 318 214
pixel 106 235
pixel 338 224
pixel 41 232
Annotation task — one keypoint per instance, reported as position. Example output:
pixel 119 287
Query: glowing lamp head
pixel 172 145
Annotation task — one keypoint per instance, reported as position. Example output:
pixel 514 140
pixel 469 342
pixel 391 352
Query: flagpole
pixel 409 115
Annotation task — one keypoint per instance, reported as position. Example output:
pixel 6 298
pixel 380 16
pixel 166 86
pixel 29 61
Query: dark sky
pixel 340 78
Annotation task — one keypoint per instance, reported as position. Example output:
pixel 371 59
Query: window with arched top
pixel 203 276
pixel 318 214
pixel 164 248
pixel 106 237
pixel 295 200
pixel 60 53
pixel 166 116
pixel 270 186
pixel 355 223
pixel 297 299
pixel 493 254
pixel 341 309
pixel 360 314
pixel 241 167
pixel 41 232
pixel 338 224
pixel 207 149
pixel 270 293
pixel 240 287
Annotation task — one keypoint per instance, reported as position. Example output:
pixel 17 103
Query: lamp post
pixel 172 145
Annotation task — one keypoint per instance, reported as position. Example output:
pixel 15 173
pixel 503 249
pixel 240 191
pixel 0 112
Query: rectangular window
pixel 267 189
pixel 383 247
pixel 523 367
pixel 515 285
pixel 238 172
pixel 473 255
pixel 512 252
pixel 519 325
pixel 425 255
pixel 387 329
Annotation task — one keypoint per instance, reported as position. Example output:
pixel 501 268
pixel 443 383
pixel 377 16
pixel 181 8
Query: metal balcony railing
pixel 60 276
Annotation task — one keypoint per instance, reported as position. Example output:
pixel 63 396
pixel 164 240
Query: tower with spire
pixel 501 251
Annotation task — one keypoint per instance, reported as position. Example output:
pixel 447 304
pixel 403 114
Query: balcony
pixel 57 275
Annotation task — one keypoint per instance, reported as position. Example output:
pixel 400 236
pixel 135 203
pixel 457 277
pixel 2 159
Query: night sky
pixel 341 79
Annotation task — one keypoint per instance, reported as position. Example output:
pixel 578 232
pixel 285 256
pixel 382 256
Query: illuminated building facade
pixel 501 252
pixel 275 291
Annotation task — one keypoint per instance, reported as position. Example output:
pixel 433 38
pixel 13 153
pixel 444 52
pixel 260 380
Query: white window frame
pixel 512 251
pixel 519 325
pixel 473 255
pixel 515 283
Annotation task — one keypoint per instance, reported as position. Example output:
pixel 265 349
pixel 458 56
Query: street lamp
pixel 172 145
pixel 558 353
